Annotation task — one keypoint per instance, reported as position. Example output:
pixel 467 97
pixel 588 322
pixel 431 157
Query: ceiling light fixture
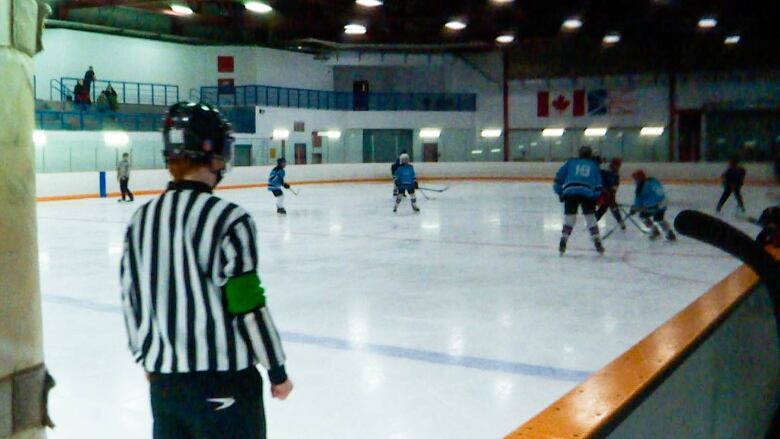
pixel 354 29
pixel 595 132
pixel 505 39
pixel 258 7
pixel 611 38
pixel 181 9
pixel 491 133
pixel 651 131
pixel 732 39
pixel 430 133
pixel 708 22
pixel 280 134
pixel 369 3
pixel 553 132
pixel 455 25
pixel 572 23
pixel 502 2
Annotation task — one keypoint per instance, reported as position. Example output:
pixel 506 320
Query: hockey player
pixel 610 178
pixel 406 182
pixel 770 226
pixel 650 203
pixel 276 183
pixel 578 185
pixel 393 168
pixel 195 311
pixel 733 180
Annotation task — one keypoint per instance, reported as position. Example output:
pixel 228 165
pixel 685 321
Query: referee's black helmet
pixel 198 131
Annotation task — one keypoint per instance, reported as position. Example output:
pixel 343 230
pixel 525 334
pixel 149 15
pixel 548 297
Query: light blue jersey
pixel 405 176
pixel 276 179
pixel 578 177
pixel 649 195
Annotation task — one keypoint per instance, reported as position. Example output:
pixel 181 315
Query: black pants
pixel 572 203
pixel 123 182
pixel 727 191
pixel 208 405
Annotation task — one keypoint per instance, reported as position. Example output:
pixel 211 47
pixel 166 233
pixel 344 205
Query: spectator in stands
pixel 89 78
pixel 102 102
pixel 113 100
pixel 81 96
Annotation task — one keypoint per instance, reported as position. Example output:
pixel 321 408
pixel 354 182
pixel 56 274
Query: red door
pixel 430 152
pixel 300 153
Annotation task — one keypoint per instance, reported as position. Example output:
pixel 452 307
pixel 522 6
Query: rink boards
pixel 75 185
pixel 712 371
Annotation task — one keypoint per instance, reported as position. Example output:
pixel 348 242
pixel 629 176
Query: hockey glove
pixel 286 186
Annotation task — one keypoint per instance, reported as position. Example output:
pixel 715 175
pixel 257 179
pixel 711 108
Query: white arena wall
pixel 86 184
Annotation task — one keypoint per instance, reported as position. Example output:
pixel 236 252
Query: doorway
pixel 360 95
pixel 242 156
pixel 430 152
pixel 689 143
pixel 384 146
pixel 300 153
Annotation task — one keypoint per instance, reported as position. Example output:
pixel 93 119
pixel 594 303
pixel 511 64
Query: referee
pixel 194 308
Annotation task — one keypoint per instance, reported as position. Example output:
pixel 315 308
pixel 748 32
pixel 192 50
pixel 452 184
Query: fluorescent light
pixel 708 22
pixel 505 39
pixel 354 29
pixel 258 7
pixel 502 2
pixel 595 132
pixel 572 23
pixel 430 133
pixel 331 134
pixel 455 25
pixel 116 138
pixel 651 131
pixel 369 3
pixel 553 132
pixel 732 39
pixel 495 150
pixel 476 151
pixel 181 9
pixel 280 134
pixel 611 38
pixel 39 138
pixel 491 133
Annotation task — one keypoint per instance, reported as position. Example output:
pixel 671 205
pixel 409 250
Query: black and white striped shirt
pixel 180 250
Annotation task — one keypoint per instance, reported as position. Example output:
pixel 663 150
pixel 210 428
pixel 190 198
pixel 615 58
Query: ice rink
pixel 460 322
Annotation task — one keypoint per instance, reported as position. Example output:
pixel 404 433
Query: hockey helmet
pixel 585 151
pixel 197 131
pixel 639 175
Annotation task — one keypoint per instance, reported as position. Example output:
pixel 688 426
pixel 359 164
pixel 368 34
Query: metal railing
pixel 146 93
pixel 242 119
pixel 96 121
pixel 262 95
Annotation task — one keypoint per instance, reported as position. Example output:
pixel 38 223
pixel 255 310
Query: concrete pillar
pixel 21 344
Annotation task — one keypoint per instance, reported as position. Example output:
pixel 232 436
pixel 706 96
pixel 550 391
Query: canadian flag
pixel 560 104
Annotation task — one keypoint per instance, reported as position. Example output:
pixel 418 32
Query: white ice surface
pixel 458 322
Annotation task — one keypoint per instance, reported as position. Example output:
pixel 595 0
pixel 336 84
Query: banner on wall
pixel 580 103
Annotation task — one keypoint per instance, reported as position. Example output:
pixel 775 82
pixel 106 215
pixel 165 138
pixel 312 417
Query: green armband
pixel 244 293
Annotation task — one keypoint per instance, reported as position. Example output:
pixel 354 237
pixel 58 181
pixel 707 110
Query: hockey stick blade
pixel 711 230
pixel 294 191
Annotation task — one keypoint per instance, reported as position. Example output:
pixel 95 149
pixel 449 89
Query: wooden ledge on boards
pixel 595 404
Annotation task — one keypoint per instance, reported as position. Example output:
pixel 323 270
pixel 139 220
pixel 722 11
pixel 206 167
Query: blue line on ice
pixel 422 355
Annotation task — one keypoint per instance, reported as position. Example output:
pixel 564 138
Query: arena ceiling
pixel 550 37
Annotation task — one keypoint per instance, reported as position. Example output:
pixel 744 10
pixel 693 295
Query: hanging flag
pixel 560 104
pixel 597 102
pixel 543 104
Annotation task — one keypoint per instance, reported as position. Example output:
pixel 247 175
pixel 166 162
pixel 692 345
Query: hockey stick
pixel 625 216
pixel 444 189
pixel 426 195
pixel 633 221
pixel 296 193
pixel 729 239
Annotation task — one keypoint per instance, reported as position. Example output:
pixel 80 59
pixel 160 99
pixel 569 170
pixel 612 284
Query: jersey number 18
pixel 582 171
